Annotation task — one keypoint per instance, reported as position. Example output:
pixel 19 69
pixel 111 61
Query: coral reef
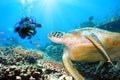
pixel 30 56
pixel 18 56
pixel 104 73
pixel 20 64
pixel 54 50
pixel 53 65
pixel 35 72
pixel 112 24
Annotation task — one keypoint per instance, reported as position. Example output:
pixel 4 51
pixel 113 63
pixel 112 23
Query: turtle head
pixel 56 37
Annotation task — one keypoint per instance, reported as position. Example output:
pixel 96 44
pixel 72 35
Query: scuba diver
pixel 27 27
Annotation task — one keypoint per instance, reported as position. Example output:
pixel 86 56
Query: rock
pixel 48 71
pixel 18 78
pixel 31 78
pixel 17 72
pixel 65 77
pixel 36 75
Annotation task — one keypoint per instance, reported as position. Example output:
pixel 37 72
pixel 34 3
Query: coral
pixel 19 56
pixel 28 52
pixel 53 65
pixel 30 72
pixel 31 56
pixel 54 51
pixel 35 53
pixel 105 73
pixel 111 24
pixel 19 50
pixel 65 77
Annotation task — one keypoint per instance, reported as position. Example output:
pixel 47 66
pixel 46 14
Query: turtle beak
pixel 56 34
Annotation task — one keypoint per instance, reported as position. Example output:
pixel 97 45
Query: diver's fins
pixel 95 41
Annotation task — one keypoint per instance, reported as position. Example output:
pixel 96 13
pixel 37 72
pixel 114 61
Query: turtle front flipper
pixel 97 43
pixel 69 66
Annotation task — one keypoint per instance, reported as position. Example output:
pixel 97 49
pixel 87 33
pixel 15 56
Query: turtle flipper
pixel 70 68
pixel 96 42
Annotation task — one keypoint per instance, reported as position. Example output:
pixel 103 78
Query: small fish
pixel 36 43
pixel 90 18
pixel 1 49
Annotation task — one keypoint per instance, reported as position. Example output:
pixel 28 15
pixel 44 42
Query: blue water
pixel 54 15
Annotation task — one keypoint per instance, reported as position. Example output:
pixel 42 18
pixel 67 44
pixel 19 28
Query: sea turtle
pixel 87 45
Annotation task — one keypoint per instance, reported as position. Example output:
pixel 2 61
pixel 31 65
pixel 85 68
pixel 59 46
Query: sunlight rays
pixel 26 6
pixel 54 11
pixel 49 9
pixel 25 2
